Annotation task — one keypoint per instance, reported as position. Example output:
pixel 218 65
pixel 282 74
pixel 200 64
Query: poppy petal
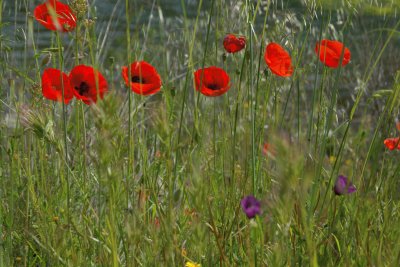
pixel 233 44
pixel 55 16
pixel 392 143
pixel 330 51
pixel 144 78
pixel 87 84
pixel 211 81
pixel 53 82
pixel 278 60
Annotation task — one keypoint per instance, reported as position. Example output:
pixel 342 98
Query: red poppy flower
pixel 53 80
pixel 265 149
pixel 233 44
pixel 87 83
pixel 144 78
pixel 268 150
pixel 55 16
pixel 278 60
pixel 330 52
pixel 211 81
pixel 392 143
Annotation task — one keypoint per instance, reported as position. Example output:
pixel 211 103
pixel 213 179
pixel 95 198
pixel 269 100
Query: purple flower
pixel 343 186
pixel 250 206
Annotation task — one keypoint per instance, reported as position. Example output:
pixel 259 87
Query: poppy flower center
pixel 138 79
pixel 83 88
pixel 213 86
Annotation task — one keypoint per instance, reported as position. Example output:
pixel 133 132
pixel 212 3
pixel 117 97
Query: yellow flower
pixel 192 264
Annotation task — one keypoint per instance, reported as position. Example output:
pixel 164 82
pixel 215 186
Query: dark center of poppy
pixel 138 79
pixel 83 88
pixel 213 86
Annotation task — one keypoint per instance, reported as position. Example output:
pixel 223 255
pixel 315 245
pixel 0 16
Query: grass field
pixel 158 180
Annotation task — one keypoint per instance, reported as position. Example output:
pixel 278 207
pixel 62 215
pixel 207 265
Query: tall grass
pixel 157 181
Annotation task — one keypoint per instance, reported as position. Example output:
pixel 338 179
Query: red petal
pixel 211 81
pixel 233 44
pixel 94 80
pixel 330 52
pixel 149 81
pixel 278 60
pixel 65 20
pixel 53 82
pixel 392 143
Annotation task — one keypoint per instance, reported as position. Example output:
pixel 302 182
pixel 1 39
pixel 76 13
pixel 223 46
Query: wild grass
pixel 157 181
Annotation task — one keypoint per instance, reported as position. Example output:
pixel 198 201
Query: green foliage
pixel 157 180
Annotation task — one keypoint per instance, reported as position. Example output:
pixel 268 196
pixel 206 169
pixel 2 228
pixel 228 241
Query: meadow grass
pixel 157 180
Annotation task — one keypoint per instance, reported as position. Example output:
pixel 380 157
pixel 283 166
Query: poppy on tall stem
pixel 55 16
pixel 278 60
pixel 88 84
pixel 54 82
pixel 211 81
pixel 329 52
pixel 143 79
pixel 233 44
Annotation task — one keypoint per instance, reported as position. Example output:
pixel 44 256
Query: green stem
pixel 64 112
pixel 128 47
pixel 130 137
pixel 252 99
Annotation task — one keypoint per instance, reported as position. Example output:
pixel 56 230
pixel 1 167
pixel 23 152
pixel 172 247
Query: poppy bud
pixel 233 44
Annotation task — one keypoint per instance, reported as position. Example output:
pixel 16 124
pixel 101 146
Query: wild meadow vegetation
pixel 117 177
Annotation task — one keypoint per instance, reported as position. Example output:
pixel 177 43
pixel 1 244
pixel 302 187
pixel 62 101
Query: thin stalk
pixel 80 105
pixel 130 135
pixel 295 75
pixel 1 11
pixel 254 118
pixel 387 110
pixel 253 99
pixel 314 95
pixel 64 112
pixel 355 106
pixel 327 126
pixel 196 115
pixel 128 48
pixel 186 85
pixel 236 119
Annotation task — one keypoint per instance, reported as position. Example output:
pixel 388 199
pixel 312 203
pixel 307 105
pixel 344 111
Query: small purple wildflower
pixel 250 206
pixel 343 186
